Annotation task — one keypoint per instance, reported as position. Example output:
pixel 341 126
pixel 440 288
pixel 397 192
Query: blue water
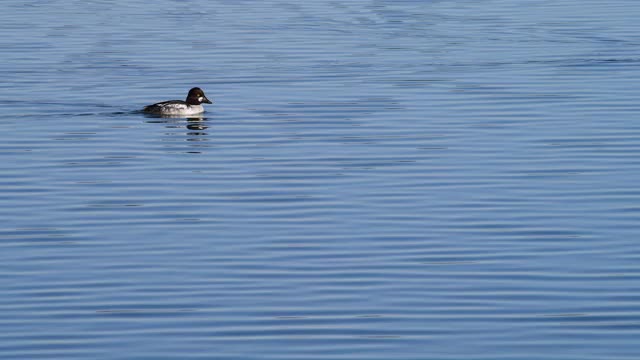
pixel 375 180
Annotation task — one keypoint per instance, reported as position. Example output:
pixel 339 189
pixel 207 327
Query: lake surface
pixel 375 180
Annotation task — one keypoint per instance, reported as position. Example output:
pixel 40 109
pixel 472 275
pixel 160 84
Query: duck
pixel 191 106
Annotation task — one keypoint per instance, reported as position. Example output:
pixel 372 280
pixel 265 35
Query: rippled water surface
pixel 375 180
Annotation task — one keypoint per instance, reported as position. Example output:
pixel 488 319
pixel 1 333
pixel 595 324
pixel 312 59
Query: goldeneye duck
pixel 178 107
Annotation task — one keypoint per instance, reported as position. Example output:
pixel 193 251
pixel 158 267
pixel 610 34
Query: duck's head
pixel 196 97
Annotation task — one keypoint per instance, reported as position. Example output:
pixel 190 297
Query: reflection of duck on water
pixel 192 105
pixel 197 124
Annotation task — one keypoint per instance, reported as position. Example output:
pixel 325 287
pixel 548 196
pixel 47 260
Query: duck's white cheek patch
pixel 200 98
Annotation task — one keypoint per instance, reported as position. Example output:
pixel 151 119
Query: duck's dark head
pixel 196 97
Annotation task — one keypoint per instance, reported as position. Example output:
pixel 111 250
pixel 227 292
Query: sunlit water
pixel 376 180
